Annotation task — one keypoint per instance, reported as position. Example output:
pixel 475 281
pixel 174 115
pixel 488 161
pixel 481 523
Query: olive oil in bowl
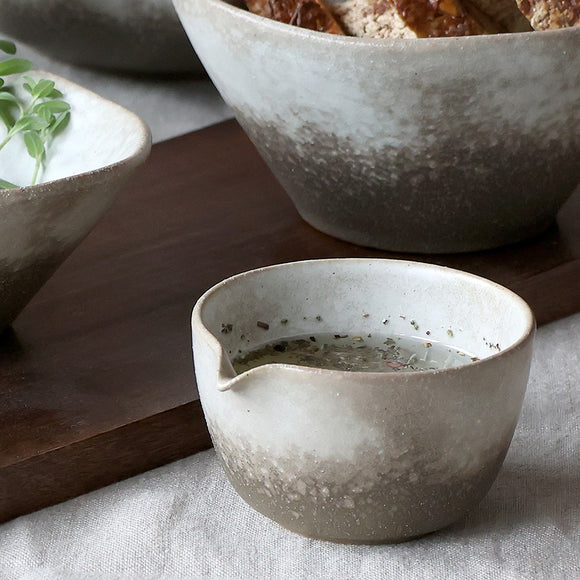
pixel 360 353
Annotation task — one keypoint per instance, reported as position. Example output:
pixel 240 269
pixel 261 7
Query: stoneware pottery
pixel 362 457
pixel 421 145
pixel 138 36
pixel 86 166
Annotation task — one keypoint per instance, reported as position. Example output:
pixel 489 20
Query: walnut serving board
pixel 96 375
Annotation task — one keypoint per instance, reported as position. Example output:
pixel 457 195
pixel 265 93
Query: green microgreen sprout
pixel 38 118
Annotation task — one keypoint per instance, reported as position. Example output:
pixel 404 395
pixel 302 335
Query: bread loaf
pixel 420 18
pixel 498 15
pixel 433 18
pixel 372 19
pixel 311 14
pixel 549 14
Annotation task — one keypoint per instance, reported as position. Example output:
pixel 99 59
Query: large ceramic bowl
pixel 423 145
pixel 125 35
pixel 362 456
pixel 86 166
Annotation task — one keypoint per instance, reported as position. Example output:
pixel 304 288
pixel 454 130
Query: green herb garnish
pixel 38 118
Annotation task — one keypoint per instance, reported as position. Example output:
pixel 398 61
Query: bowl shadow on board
pixel 557 244
pixel 11 349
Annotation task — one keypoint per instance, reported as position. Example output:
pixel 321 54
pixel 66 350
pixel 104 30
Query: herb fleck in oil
pixel 361 353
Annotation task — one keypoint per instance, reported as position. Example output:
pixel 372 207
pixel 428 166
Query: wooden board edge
pixel 548 308
pixel 45 480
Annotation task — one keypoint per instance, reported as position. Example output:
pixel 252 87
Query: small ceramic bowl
pixel 420 145
pixel 362 457
pixel 136 36
pixel 86 166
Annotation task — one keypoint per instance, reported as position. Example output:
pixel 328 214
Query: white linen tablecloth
pixel 184 520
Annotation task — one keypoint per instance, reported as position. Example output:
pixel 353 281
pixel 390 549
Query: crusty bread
pixel 371 18
pixel 311 14
pixel 547 14
pixel 381 19
pixel 420 18
pixel 498 15
pixel 433 18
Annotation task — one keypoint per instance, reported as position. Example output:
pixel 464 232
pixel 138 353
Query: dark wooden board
pixel 96 377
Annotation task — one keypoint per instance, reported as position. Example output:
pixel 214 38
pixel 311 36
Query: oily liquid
pixel 362 353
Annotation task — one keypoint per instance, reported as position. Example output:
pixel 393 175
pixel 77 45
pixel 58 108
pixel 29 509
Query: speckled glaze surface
pixel 139 36
pixel 422 145
pixel 362 457
pixel 87 164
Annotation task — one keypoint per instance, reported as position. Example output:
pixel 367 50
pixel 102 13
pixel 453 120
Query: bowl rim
pixel 137 156
pixel 227 380
pixel 418 44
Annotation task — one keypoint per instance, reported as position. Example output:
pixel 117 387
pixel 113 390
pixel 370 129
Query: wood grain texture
pixel 96 377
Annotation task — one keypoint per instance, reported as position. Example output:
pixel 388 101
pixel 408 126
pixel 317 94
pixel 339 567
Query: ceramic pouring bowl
pixel 362 457
pixel 419 145
pixel 87 164
pixel 136 36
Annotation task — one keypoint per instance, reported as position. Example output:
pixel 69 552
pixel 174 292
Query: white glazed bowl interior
pixel 421 447
pixel 100 133
pixel 433 303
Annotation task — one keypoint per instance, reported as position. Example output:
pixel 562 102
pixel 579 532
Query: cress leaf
pixel 52 107
pixel 45 115
pixel 7 47
pixel 6 115
pixel 55 94
pixel 60 124
pixel 34 145
pixel 29 84
pixel 14 66
pixel 6 184
pixel 8 97
pixel 43 88
pixel 38 117
pixel 29 123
